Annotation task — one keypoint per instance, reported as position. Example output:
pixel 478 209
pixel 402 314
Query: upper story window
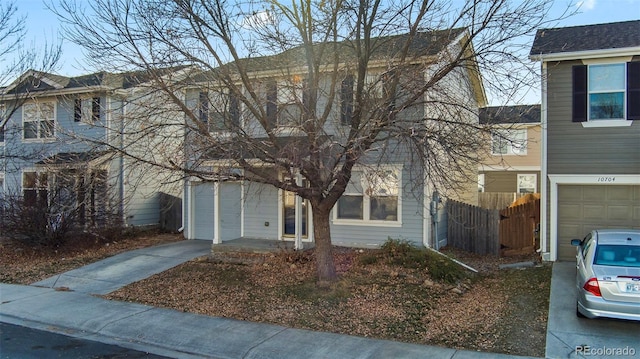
pixel 509 142
pixel 38 120
pixel 86 110
pixel 606 93
pixel 286 101
pixel 219 110
pixel 371 196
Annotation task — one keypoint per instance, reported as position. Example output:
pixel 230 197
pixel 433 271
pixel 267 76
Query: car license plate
pixel 633 287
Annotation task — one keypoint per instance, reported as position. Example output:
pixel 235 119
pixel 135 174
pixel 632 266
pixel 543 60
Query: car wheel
pixel 578 314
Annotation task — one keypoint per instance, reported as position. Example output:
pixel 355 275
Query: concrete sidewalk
pixel 171 333
pixel 566 332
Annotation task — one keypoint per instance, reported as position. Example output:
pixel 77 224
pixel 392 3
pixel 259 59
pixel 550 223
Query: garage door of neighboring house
pixel 582 208
pixel 202 210
pixel 230 210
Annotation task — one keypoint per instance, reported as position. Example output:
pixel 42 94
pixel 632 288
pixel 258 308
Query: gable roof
pixel 564 40
pixel 510 114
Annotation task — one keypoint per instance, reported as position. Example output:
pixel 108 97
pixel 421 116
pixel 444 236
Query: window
pixel 1 183
pixel 481 182
pixel 219 110
pixel 290 97
pixel 38 120
pixel 527 183
pixel 371 195
pixel 605 92
pixel 35 188
pixel 509 142
pixel 86 110
pixel 346 100
pixel 379 87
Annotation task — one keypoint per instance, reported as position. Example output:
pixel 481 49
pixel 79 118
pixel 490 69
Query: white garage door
pixel 582 208
pixel 202 219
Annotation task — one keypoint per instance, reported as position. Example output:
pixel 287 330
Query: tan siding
pixel 506 181
pixel 573 149
pixel 532 158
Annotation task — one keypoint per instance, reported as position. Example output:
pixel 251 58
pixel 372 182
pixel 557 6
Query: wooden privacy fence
pixel 472 228
pixel 518 227
pixel 492 231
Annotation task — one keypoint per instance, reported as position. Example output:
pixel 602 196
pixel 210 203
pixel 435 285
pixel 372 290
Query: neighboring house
pixel 57 149
pixel 376 205
pixel 513 164
pixel 591 131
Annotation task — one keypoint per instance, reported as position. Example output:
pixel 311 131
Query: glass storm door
pixel 289 214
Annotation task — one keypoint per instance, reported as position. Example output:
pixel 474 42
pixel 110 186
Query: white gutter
pixel 590 54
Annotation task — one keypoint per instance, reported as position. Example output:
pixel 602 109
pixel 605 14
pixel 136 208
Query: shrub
pixel 401 252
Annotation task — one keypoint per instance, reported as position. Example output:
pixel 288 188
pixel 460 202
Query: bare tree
pixel 274 90
pixel 17 57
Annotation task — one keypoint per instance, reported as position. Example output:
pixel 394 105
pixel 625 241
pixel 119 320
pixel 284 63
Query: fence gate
pixel 518 228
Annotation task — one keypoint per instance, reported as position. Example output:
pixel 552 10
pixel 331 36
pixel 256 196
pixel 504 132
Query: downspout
pixel 543 166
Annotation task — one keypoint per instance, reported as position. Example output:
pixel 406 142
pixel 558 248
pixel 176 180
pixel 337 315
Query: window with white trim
pixel 606 93
pixel 371 196
pixel 481 182
pixel 86 110
pixel 607 87
pixel 527 183
pixel 35 188
pixel 509 142
pixel 38 120
pixel 219 110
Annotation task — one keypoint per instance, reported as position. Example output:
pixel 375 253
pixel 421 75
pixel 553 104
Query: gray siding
pixel 260 208
pixel 573 149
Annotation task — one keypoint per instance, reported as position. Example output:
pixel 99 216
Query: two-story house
pixel 513 162
pixel 60 149
pixel 590 131
pixel 380 200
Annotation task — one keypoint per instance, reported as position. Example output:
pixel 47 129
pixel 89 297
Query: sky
pixel 44 26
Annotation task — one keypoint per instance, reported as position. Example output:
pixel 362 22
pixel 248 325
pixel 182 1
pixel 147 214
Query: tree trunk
pixel 323 250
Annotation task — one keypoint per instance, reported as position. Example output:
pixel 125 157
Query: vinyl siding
pixel 506 181
pixel 261 207
pixel 573 149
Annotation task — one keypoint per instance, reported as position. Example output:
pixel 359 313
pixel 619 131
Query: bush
pixel 401 252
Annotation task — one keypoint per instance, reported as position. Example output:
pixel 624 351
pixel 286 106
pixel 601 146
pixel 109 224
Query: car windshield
pixel 618 255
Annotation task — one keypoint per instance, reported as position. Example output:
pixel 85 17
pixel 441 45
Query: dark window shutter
pixel 95 109
pixel 306 98
pixel 579 113
pixel 77 110
pixel 203 107
pixel 346 100
pixel 234 109
pixel 272 104
pixel 633 90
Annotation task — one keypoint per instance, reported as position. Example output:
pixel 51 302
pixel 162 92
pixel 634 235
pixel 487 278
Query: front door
pixel 289 214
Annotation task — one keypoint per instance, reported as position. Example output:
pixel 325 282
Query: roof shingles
pixel 615 35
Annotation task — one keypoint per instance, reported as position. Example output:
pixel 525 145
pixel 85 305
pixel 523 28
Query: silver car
pixel 608 274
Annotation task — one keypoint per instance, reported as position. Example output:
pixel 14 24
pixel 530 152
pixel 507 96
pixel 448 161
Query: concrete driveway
pixel 571 337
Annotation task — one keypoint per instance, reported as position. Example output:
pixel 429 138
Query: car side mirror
pixel 576 242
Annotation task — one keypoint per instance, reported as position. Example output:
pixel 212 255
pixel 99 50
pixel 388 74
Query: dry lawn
pixel 390 294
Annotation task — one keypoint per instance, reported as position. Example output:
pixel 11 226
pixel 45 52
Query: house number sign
pixel 607 179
